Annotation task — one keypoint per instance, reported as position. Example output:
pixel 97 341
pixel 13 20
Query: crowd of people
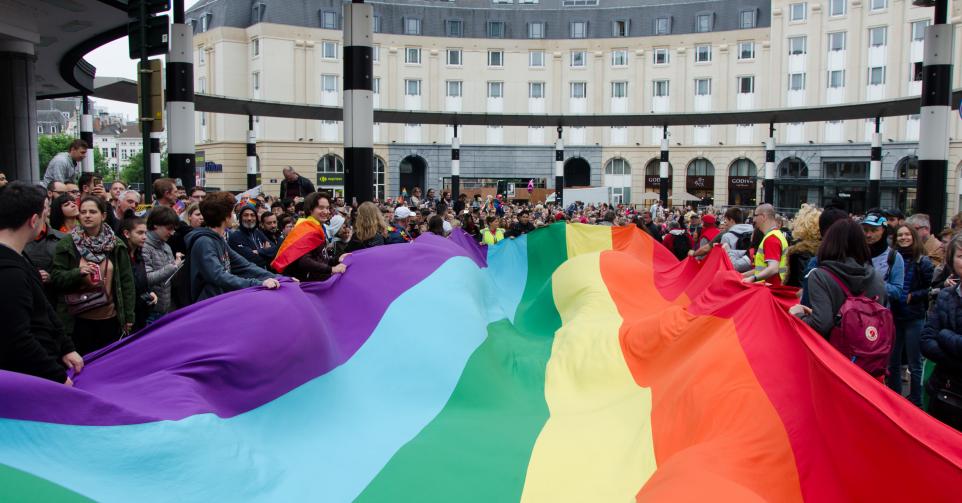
pixel 87 264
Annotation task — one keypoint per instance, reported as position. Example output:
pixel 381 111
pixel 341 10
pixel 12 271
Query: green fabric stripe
pixel 22 487
pixel 478 447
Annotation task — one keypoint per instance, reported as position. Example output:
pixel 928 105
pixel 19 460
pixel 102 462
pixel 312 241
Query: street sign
pixel 158 33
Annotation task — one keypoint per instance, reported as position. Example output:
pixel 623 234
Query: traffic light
pixel 147 34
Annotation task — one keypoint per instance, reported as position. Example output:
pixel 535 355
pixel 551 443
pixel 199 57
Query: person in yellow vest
pixel 492 234
pixel 771 261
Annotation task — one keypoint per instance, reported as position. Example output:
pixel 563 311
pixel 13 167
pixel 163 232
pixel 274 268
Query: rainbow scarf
pixel 574 363
pixel 306 235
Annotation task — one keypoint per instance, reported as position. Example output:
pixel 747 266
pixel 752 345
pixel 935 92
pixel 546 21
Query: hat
pixel 894 213
pixel 403 212
pixel 874 220
pixel 708 219
pixel 245 207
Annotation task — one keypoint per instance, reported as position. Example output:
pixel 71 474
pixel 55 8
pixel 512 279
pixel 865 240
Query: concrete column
pixel 455 165
pixel 935 112
pixel 180 100
pixel 664 170
pixel 87 134
pixel 768 185
pixel 18 111
pixel 251 153
pixel 875 168
pixel 358 102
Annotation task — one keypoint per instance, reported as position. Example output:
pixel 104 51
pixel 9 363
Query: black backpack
pixel 680 245
pixel 743 240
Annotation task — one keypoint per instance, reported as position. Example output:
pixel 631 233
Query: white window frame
pixel 623 53
pixel 797 17
pixel 578 29
pixel 623 85
pixel 877 5
pixel 841 78
pixel 328 44
pixel 661 51
pixel 327 78
pixel 656 85
pixel 539 33
pixel 453 51
pixel 837 8
pixel 873 33
pixel 923 23
pixel 796 81
pixel 880 70
pixel 742 78
pixel 577 55
pixel 457 85
pixel 751 50
pixel 838 35
pixel 412 85
pixel 583 86
pixel 495 58
pixel 412 55
pixel 703 87
pixel 532 86
pixel 797 40
pixel 412 26
pixel 495 89
pixel 703 53
pixel 255 47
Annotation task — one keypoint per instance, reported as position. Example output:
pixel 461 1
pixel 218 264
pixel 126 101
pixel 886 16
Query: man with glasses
pixel 933 247
pixel 56 189
pixel 771 261
pixel 197 194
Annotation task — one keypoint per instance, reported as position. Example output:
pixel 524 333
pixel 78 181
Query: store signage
pixel 654 181
pixel 330 178
pixel 741 182
pixel 701 182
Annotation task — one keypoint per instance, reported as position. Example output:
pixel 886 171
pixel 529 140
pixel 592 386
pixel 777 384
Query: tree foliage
pixel 101 168
pixel 134 171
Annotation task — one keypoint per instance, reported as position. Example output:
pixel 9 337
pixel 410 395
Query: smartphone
pixel 95 273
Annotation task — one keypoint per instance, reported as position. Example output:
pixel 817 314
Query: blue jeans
pixel 908 335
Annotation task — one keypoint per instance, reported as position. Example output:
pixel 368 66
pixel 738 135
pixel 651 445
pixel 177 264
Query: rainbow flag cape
pixel 575 363
pixel 306 235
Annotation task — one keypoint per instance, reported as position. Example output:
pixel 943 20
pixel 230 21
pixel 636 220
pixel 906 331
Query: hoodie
pixel 33 340
pixel 217 269
pixel 741 260
pixel 827 297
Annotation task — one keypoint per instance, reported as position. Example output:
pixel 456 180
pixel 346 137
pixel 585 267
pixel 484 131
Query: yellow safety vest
pixel 760 264
pixel 490 239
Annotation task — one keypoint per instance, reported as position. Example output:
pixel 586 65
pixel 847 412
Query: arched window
pixel 793 167
pixel 701 167
pixel 743 167
pixel 908 168
pixel 379 191
pixel 330 163
pixel 618 177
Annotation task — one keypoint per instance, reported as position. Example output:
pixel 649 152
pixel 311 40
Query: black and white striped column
pixel 251 154
pixel 358 102
pixel 559 170
pixel 455 165
pixel 87 134
pixel 180 100
pixel 768 184
pixel 155 156
pixel 875 168
pixel 664 170
pixel 935 111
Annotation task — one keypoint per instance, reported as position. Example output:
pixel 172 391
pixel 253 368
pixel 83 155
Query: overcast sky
pixel 113 60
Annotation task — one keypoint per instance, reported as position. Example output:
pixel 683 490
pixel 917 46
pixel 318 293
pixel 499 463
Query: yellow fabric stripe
pixel 582 238
pixel 597 443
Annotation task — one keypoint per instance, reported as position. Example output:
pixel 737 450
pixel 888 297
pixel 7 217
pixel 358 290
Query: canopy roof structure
pixel 125 90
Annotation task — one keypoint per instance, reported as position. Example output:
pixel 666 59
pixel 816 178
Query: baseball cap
pixel 874 220
pixel 708 219
pixel 403 212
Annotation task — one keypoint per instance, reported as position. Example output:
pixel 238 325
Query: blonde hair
pixel 805 226
pixel 185 216
pixel 369 222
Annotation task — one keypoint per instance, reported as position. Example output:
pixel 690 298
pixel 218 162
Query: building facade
pixel 579 57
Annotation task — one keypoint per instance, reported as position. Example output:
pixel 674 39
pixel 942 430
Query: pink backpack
pixel 864 331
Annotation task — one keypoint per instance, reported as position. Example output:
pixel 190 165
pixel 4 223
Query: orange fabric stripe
pixel 304 237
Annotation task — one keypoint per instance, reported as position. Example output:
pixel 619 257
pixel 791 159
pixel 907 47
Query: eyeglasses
pixel 74 192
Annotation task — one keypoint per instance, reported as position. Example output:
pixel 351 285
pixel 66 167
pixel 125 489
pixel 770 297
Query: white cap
pixel 403 212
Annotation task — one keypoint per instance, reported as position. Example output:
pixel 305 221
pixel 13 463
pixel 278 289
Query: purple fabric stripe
pixel 234 352
pixel 474 249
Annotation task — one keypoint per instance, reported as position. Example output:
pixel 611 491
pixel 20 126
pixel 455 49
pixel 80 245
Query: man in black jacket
pixel 33 341
pixel 522 227
pixel 295 185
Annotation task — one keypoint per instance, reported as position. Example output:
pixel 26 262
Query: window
pixel 661 56
pixel 746 19
pixel 329 50
pixel 377 24
pixel 329 20
pixel 746 50
pixel 379 186
pixel 578 59
pixel 918 29
pixel 201 56
pixel 412 55
pixel 329 83
pixel 578 29
pixel 376 53
pixel 746 84
pixel 412 26
pixel 619 89
pixel 495 29
pixel 703 23
pixel 454 28
pixel 836 7
pixel 496 58
pixel 878 4
pixel 797 45
pixel 702 87
pixel 454 88
pixel 256 81
pixel 619 57
pixel 257 12
pixel 536 30
pixel 916 70
pixel 702 54
pixel 536 89
pixel 877 36
pixel 202 84
pixel 536 59
pixel 376 87
pixel 620 28
pixel 579 89
pixel 454 57
pixel 579 3
pixel 836 79
pixel 662 26
pixel 255 47
pixel 845 169
pixel 796 82
pixel 836 41
pixel 617 166
pixel 659 88
pixel 205 22
pixel 798 11
pixel 495 89
pixel 412 87
pixel 876 76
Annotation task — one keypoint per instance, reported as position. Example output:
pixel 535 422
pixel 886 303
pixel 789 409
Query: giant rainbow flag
pixel 576 363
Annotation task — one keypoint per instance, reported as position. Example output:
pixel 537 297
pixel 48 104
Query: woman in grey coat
pixel 159 260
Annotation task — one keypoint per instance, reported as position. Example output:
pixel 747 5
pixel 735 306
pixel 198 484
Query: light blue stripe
pixel 508 268
pixel 323 441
